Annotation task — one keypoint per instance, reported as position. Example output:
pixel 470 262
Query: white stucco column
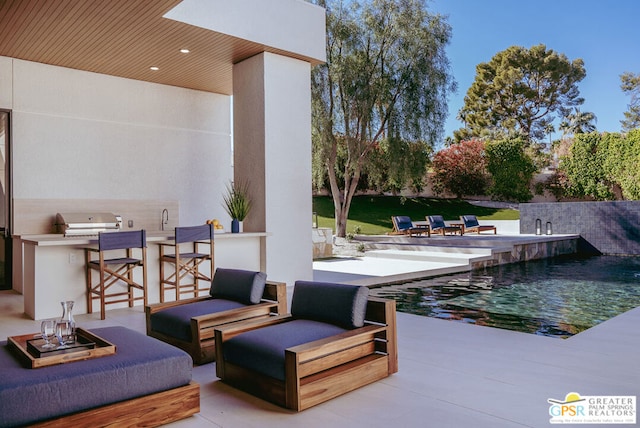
pixel 272 151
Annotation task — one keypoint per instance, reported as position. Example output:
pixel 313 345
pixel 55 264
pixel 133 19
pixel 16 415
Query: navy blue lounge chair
pixel 402 225
pixel 335 340
pixel 438 226
pixel 471 224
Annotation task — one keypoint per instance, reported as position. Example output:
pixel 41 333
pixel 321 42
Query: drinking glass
pixel 64 332
pixel 48 330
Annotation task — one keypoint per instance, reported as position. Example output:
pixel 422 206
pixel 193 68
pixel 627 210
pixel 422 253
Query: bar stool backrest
pixel 194 233
pixel 122 240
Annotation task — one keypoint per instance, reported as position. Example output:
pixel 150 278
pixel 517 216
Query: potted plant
pixel 237 204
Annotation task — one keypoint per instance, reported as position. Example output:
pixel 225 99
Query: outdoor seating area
pixel 335 340
pixel 436 225
pixel 452 374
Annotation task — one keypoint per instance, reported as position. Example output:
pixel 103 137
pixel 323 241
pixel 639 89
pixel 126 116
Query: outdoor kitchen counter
pixel 50 268
pixel 57 239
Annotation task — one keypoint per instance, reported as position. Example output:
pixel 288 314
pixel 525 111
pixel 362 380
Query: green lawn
pixel 373 213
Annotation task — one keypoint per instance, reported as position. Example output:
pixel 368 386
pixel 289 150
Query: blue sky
pixel 605 34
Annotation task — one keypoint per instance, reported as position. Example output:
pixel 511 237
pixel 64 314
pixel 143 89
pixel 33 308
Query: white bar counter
pixel 52 268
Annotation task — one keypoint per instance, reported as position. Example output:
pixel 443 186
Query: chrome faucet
pixel 165 218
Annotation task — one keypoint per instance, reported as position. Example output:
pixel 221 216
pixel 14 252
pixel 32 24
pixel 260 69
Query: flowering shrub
pixel 461 169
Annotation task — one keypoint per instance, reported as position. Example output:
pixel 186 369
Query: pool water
pixel 557 297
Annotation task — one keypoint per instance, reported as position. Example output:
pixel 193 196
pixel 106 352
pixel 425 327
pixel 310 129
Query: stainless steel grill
pixel 87 224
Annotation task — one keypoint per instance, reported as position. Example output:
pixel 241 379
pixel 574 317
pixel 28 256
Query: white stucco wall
pixel 272 112
pixel 80 135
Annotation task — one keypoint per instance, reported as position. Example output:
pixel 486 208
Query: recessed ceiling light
pixel 184 50
pixel 154 68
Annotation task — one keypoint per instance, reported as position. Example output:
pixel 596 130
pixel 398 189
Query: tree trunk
pixel 341 223
pixel 342 199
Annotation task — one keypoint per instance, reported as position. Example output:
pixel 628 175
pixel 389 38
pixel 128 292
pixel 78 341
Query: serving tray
pixel 87 346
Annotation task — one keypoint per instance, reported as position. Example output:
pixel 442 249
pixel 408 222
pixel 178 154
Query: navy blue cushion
pixel 339 304
pixel 141 365
pixel 436 222
pixel 240 285
pixel 470 221
pixel 176 321
pixel 403 222
pixel 262 350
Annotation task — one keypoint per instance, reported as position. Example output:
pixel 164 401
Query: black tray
pixel 35 348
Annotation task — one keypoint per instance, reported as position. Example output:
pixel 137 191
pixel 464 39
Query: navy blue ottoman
pixel 143 372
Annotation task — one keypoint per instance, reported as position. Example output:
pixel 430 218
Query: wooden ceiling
pixel 122 38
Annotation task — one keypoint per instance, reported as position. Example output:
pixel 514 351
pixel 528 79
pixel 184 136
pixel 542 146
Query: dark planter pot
pixel 235 226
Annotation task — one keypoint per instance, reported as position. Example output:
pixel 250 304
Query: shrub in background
pixel 461 169
pixel 511 170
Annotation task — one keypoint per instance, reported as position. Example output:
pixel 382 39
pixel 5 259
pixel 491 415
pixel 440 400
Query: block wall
pixel 605 227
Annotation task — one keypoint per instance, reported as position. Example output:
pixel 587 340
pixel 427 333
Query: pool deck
pixel 400 258
pixel 450 374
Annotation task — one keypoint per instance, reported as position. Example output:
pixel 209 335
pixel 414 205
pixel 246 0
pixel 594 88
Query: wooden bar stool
pixel 117 271
pixel 184 275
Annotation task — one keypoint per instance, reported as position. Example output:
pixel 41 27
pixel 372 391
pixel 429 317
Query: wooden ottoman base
pixel 149 411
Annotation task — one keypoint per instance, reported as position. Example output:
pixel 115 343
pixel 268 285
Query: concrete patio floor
pixel 451 375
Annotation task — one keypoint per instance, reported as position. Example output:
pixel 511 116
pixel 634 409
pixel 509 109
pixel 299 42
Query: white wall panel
pixel 85 135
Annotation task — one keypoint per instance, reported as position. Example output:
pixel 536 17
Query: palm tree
pixel 549 129
pixel 579 122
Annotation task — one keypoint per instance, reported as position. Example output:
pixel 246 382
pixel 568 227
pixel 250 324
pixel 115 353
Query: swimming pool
pixel 556 297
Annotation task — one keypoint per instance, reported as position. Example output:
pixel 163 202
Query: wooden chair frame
pixel 187 264
pixel 202 345
pixel 115 271
pixel 415 230
pixel 323 369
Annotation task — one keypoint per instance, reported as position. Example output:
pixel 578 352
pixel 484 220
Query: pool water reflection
pixel 556 297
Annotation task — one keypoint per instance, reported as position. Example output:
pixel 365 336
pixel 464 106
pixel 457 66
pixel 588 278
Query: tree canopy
pixel 386 77
pixel 519 93
pixel 631 86
pixel 395 164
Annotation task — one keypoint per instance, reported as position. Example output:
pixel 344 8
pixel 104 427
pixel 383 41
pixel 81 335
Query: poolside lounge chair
pixel 402 225
pixel 438 226
pixel 470 224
